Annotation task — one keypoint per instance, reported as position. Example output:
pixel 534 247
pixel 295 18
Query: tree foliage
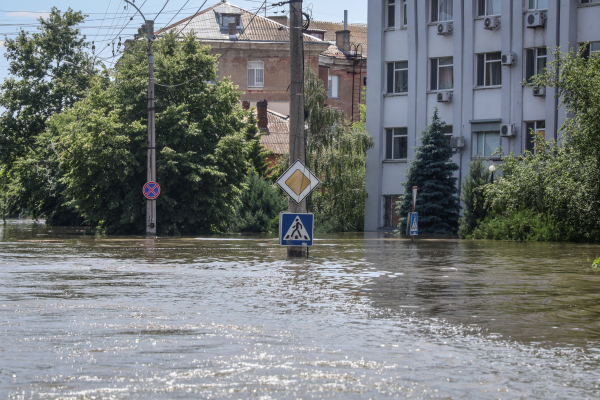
pixel 474 210
pixel 257 153
pixel 437 201
pixel 336 154
pixel 201 146
pixel 259 208
pixel 39 86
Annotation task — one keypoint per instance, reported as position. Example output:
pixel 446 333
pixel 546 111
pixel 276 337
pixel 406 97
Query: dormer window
pixel 317 34
pixel 227 19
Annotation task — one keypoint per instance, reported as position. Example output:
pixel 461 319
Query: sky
pixel 106 18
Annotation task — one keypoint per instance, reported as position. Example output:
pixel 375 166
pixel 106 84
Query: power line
pixel 172 18
pixel 192 17
pixel 161 10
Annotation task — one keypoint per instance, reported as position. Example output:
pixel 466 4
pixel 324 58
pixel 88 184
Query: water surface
pixel 366 316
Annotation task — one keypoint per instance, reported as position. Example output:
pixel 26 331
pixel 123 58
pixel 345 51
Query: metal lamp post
pixel 492 168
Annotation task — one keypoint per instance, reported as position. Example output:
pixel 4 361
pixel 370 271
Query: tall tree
pixel 202 153
pixel 257 155
pixel 437 201
pixel 336 154
pixel 40 85
pixel 473 199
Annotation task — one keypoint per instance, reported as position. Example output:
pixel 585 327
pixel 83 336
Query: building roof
pixel 358 35
pixel 206 26
pixel 276 137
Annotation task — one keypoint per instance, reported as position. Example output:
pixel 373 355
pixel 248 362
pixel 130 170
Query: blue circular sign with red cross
pixel 151 190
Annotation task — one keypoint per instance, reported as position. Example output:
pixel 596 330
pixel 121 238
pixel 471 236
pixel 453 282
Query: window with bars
pixel 396 143
pixel 533 129
pixel 535 62
pixel 488 7
pixel 442 73
pixel 441 10
pixel 488 143
pixel 391 219
pixel 256 74
pixel 447 130
pixel 391 13
pixel 538 4
pixel 397 77
pixel 489 69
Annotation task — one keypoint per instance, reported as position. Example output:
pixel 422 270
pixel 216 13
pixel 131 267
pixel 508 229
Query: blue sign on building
pixel 414 224
pixel 296 229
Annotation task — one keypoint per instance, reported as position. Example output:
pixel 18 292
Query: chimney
pixel 245 105
pixel 342 39
pixel 261 110
pixel 281 19
pixel 232 29
pixel 345 20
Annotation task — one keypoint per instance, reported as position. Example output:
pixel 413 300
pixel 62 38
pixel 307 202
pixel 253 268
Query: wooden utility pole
pixel 297 149
pixel 151 204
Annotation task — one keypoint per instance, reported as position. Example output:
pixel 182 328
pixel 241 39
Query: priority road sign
pixel 298 182
pixel 151 190
pixel 414 224
pixel 296 229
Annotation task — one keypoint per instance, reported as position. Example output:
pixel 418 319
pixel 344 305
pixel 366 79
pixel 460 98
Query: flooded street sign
pixel 298 182
pixel 296 229
pixel 414 224
pixel 151 190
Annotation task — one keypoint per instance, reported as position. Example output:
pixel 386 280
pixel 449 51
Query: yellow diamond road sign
pixel 298 182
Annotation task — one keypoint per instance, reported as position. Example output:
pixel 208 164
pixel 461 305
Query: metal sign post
pixel 413 216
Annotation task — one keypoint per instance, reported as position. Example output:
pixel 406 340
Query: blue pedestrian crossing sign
pixel 414 224
pixel 296 229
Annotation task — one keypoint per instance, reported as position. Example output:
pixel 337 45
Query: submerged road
pixel 366 316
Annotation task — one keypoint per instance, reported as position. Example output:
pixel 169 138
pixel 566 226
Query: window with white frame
pixel 404 13
pixel 489 69
pixel 441 10
pixel 397 77
pixel 447 130
pixel 256 74
pixel 442 73
pixel 535 62
pixel 590 1
pixel 592 48
pixel 391 13
pixel 396 143
pixel 538 4
pixel 488 143
pixel 534 129
pixel 488 7
pixel 333 86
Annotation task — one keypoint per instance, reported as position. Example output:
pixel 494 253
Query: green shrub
pixel 525 225
pixel 474 209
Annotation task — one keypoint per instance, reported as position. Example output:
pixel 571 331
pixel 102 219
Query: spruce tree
pixel 437 201
pixel 257 154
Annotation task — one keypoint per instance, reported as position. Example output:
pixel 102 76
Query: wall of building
pixel 472 108
pixel 351 84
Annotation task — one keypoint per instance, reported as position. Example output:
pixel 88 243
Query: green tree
pixel 474 209
pixel 336 154
pixel 40 85
pixel 437 201
pixel 201 150
pixel 259 208
pixel 257 155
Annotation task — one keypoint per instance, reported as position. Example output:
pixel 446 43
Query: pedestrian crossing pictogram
pixel 296 229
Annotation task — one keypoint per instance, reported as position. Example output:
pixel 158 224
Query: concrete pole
pixel 151 204
pixel 297 150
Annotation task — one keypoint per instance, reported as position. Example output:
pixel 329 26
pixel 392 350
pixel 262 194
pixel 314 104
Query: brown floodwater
pixel 365 316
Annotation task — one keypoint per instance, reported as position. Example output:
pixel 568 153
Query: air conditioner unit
pixel 509 59
pixel 507 130
pixel 444 97
pixel 535 19
pixel 457 142
pixel 539 91
pixel 491 23
pixel 444 28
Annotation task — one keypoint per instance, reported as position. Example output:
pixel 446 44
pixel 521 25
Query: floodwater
pixel 366 316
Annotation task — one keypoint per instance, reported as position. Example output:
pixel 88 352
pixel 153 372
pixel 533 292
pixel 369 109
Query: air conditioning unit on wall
pixel 535 19
pixel 444 28
pixel 539 91
pixel 491 23
pixel 457 142
pixel 444 97
pixel 507 130
pixel 508 59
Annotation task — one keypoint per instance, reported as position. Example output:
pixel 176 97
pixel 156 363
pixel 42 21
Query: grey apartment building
pixel 468 58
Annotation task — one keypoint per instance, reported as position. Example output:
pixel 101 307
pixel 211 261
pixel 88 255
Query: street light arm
pixel 138 10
